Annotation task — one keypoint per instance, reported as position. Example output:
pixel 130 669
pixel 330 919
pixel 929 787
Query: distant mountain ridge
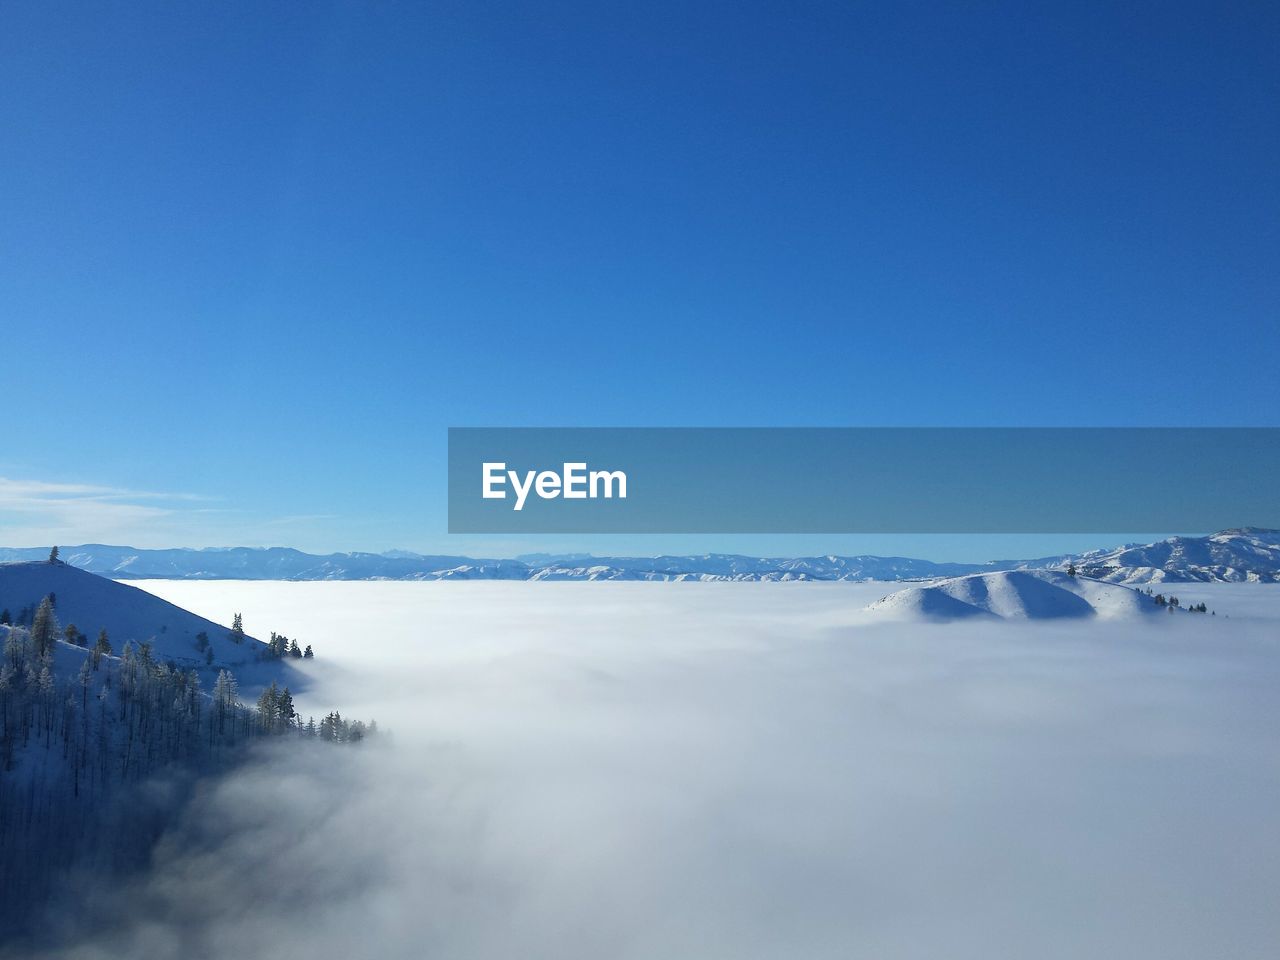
pixel 284 563
pixel 262 563
pixel 1243 554
pixel 1238 555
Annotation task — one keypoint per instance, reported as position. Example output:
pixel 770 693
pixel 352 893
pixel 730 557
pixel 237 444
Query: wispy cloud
pixel 37 494
pixel 36 512
pixel 299 518
pixel 43 512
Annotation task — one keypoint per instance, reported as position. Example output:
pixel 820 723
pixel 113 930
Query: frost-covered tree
pixel 44 627
pixel 226 697
pixel 237 629
pixel 267 716
pixel 102 648
pixel 15 645
pixel 276 713
pixel 284 707
pixel 84 679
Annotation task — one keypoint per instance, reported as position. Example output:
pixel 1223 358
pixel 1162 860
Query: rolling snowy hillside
pixel 92 603
pixel 1015 595
pixel 103 740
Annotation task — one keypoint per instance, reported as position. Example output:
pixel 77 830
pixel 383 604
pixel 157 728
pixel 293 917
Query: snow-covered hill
pixel 91 603
pixel 1244 554
pixel 1014 595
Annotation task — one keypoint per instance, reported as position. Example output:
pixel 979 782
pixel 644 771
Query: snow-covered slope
pixel 92 603
pixel 1014 595
pixel 1244 554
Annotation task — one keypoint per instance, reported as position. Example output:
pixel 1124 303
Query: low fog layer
pixel 735 771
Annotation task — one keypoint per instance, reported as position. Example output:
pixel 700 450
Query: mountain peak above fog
pixel 1015 595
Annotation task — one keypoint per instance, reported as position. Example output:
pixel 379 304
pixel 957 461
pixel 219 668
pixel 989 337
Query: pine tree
pixel 225 698
pixel 44 628
pixel 102 648
pixel 237 629
pixel 85 679
pixel 293 649
pixel 284 707
pixel 269 708
pixel 53 555
pixel 15 648
pixel 277 646
pixel 307 653
pixel 5 617
pixel 225 689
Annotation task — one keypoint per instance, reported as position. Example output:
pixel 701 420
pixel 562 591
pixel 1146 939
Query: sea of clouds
pixel 737 771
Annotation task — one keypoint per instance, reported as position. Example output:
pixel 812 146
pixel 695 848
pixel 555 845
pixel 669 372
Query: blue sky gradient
pixel 256 258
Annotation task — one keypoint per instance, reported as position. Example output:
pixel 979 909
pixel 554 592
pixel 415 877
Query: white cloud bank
pixel 643 771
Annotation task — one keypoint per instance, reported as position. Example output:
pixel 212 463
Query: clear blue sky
pixel 255 258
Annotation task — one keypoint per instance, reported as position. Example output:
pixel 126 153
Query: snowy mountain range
pixel 1241 554
pixel 283 563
